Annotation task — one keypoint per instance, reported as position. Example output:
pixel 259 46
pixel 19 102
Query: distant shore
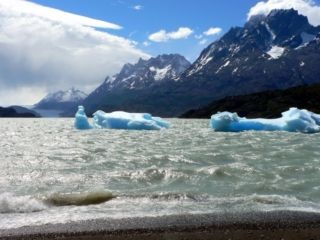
pixel 261 225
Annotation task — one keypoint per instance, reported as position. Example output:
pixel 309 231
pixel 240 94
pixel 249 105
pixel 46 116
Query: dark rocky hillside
pixel 268 104
pixel 10 112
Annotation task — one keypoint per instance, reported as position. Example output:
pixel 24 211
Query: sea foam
pixel 10 203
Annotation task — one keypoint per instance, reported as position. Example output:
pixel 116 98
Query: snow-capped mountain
pixel 61 100
pixel 133 79
pixel 263 38
pixel 277 51
pixel 146 73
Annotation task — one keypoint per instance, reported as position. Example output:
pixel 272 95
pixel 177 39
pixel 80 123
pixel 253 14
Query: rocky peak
pixel 145 73
pixel 262 37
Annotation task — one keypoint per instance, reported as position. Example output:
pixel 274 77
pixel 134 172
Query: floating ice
pixel 120 120
pixel 81 121
pixel 293 120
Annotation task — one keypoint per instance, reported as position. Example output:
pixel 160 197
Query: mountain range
pixel 277 51
pixel 124 90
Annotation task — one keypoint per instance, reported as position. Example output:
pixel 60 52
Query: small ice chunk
pixel 293 120
pixel 81 119
pixel 120 120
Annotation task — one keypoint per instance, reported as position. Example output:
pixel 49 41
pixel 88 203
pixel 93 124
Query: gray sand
pixel 260 225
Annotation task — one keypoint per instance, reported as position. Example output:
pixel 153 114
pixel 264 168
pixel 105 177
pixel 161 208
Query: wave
pixel 233 203
pixel 79 199
pixel 10 203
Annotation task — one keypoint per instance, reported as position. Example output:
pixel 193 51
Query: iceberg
pixel 119 120
pixel 293 120
pixel 81 121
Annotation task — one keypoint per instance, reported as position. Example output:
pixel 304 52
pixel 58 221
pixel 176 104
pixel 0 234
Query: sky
pixel 140 18
pixel 50 45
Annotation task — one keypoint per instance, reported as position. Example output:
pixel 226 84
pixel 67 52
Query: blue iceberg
pixel 119 120
pixel 293 120
pixel 81 121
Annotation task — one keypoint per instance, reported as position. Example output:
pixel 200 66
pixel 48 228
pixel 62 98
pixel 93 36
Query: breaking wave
pixel 10 203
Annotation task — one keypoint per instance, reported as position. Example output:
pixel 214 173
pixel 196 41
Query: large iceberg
pixel 119 120
pixel 293 120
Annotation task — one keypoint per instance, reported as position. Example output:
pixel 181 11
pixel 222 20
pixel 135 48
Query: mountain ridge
pixel 135 80
pixel 277 51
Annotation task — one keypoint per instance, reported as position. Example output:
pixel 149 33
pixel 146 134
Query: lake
pixel 51 172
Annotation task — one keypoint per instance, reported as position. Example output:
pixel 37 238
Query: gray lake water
pixel 47 169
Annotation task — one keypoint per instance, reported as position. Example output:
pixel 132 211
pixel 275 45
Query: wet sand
pixel 236 226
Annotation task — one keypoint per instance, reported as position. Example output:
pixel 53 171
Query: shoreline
pixel 255 225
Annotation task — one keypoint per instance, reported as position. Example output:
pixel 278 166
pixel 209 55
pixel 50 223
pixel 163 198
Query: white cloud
pixel 212 31
pixel 31 9
pixel 200 36
pixel 163 36
pixel 46 49
pixel 137 7
pixel 203 41
pixel 304 7
pixel 146 43
pixel 22 95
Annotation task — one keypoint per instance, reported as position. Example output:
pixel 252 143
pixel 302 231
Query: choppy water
pixel 50 172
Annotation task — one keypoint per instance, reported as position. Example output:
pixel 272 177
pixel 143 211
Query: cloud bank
pixel 44 49
pixel 305 7
pixel 164 36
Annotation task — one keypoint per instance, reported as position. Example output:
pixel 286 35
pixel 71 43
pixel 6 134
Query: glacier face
pixel 293 120
pixel 119 120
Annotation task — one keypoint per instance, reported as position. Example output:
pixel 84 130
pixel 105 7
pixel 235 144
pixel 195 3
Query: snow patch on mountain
pixel 160 73
pixel 202 62
pixel 276 52
pixel 226 64
pixel 272 34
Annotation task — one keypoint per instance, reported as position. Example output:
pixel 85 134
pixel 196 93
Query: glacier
pixel 119 120
pixel 293 120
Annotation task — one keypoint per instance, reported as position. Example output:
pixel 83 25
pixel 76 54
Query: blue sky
pixel 155 15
